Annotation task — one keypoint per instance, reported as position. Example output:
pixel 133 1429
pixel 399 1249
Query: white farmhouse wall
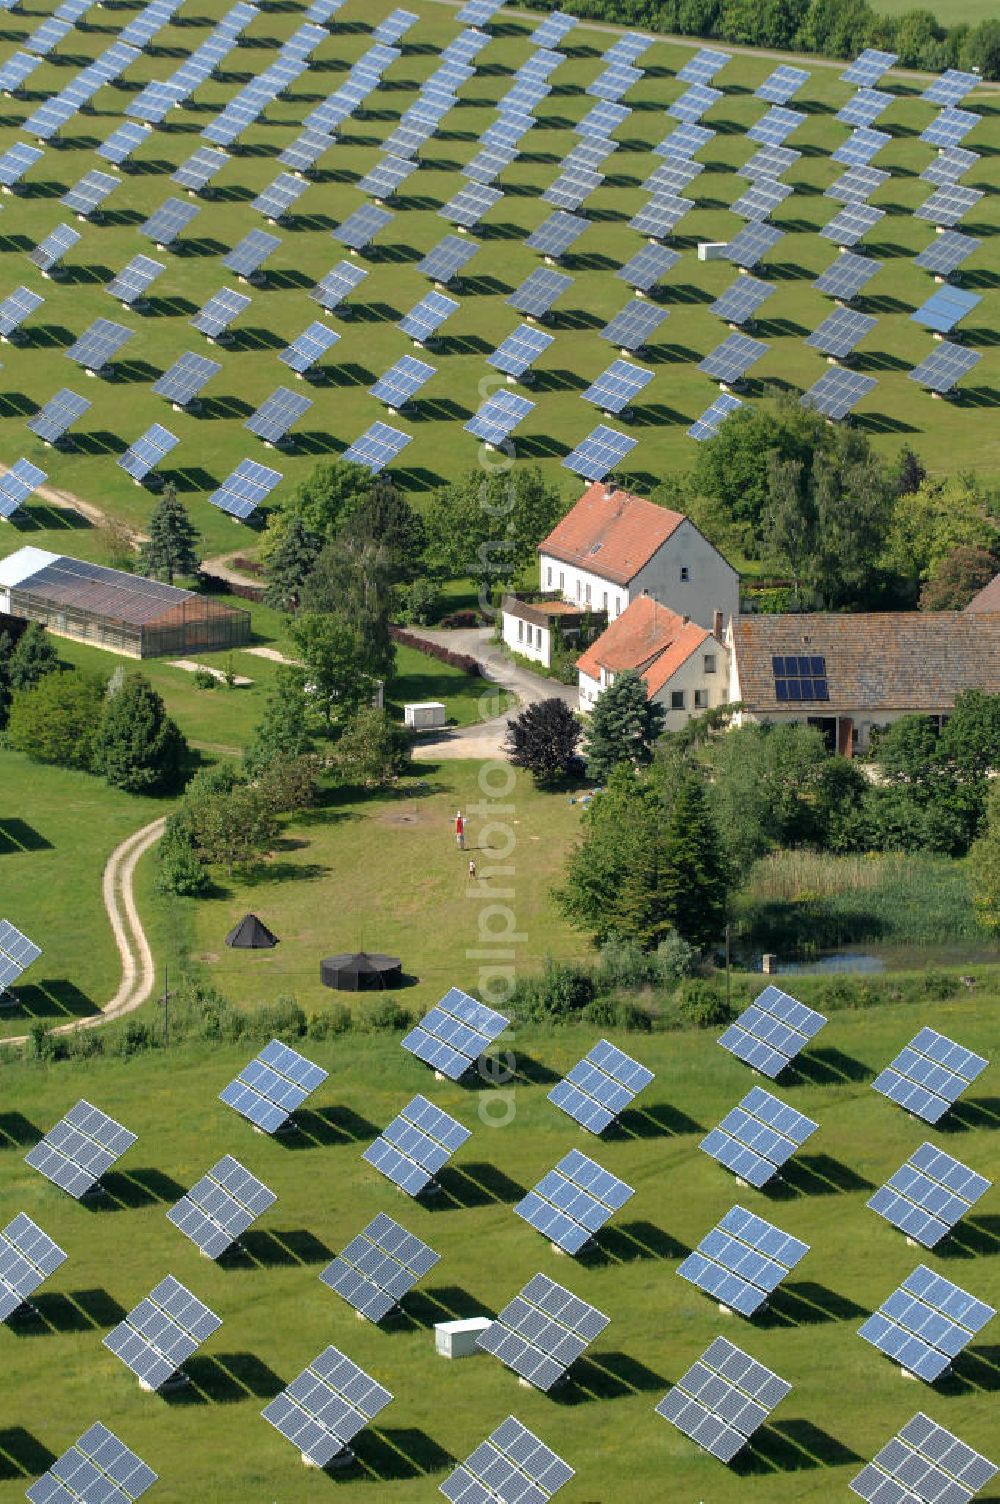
pixel 525 638
pixel 691 679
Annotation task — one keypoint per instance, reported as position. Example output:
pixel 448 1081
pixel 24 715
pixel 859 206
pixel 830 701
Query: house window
pixel 538 637
pixel 605 600
pixel 549 575
pixel 701 699
pixel 618 605
pixel 562 579
pixel 677 699
pixel 588 592
pixel 710 663
pixel 578 589
pixel 685 574
pixel 520 630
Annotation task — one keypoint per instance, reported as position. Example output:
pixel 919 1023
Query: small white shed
pixel 427 715
pixel 457 1339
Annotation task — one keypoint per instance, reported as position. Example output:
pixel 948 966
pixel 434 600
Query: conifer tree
pixel 624 725
pixel 137 747
pixel 289 565
pixel 172 538
pixel 32 658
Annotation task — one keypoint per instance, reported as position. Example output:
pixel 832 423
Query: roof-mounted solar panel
pixel 571 1203
pixel 723 1399
pixel 924 1325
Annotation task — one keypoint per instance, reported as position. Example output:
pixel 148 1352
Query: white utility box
pixel 457 1339
pixel 712 250
pixel 426 716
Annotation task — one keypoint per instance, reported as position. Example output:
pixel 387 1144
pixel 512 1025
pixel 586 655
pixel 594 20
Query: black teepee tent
pixel 251 934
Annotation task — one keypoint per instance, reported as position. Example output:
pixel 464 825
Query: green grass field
pixel 945 434
pixel 210 1444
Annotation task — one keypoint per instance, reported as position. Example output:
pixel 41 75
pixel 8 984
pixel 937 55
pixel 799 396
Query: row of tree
pixel 834 28
pixel 813 501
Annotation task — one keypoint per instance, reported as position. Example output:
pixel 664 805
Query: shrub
pixel 703 1005
pixel 204 678
pixel 336 1019
pixel 625 964
pixel 387 1016
pixel 560 992
pixel 421 601
pixel 618 1013
pixel 674 959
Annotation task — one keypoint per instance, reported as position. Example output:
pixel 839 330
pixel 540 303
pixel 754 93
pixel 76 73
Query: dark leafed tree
pixel 352 580
pixel 283 732
pixel 289 565
pixel 956 578
pixel 171 549
pixel 624 725
pixel 137 747
pixel 32 658
pixel 544 739
pixel 385 518
pixel 54 720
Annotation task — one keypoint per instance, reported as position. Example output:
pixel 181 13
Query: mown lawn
pixel 210 1444
pixel 57 830
pixel 383 873
pixel 211 443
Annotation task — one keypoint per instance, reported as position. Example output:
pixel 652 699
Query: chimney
pixel 685 620
pixel 717 625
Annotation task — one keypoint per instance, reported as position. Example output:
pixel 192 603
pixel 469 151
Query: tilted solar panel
pixel 634 325
pixel 16 307
pixel 742 1261
pixel 221 1206
pixel 426 317
pixel 722 1399
pixel 338 284
pixel 276 1081
pixel 248 255
pixel 572 1202
pixel 163 1330
pixel 772 1031
pixel 929 1195
pixel 324 1408
pixel 946 308
pixel 730 361
pixel 924 1325
pixel 845 277
pixel 542 1332
pixel 520 350
pixel 946 365
pixel 741 300
pixel 924 1464
pixel 946 206
pixel 379 1267
pixel 219 312
pixel 134 280
pixel 147 451
pixel 16 484
pixel 185 378
pixel 840 331
pixel 707 426
pixel 168 222
pixel 498 416
pixel 308 348
pixel 511 1464
pixel 401 382
pixel 58 414
pixel 599 453
pixel 600 1087
pixel 28 1256
pixel 556 234
pixel 929 1075
pixel 276 415
pixel 758 1137
pixel 539 291
pixel 416 1145
pixel 617 387
pixel 837 391
pixel 444 262
pixel 97 1466
pixel 377 447
pixel 81 1148
pixel 950 164
pixel 753 243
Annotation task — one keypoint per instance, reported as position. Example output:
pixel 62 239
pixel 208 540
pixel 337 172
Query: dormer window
pixel 685 574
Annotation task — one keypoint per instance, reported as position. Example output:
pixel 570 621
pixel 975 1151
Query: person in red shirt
pixel 460 830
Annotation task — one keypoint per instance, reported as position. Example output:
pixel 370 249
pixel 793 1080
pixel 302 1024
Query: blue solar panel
pixel 308 348
pixel 338 284
pixel 276 415
pixel 617 387
pixel 946 308
pixel 845 277
pixel 758 1137
pixel 16 485
pixel 929 1195
pixel 599 453
pixel 946 206
pixel 730 361
pixel 949 165
pixel 741 300
pixel 944 367
pixel 185 378
pixel 147 451
pixel 753 243
pixel 837 391
pixel 498 417
pixel 600 1087
pixel 742 1261
pixel 769 162
pixel 16 307
pixel 868 67
pixel 218 313
pixel 852 224
pixel 703 67
pixel 378 1267
pixel 637 322
pixel 16 161
pixel 402 381
pixel 455 1033
pixel 377 447
pixel 771 129
pixel 571 1203
pixel 781 85
pixel 925 1324
pixel 556 234
pixel 220 1207
pixel 602 119
pixel 277 1081
pixel 248 255
pixel 361 227
pixel 771 1031
pixel 427 316
pixel 240 494
pixel 648 266
pixel 707 426
pixel 857 185
pixel 929 1075
pixel 684 141
pixel 556 26
pixel 723 1399
pixel 865 108
pixel 416 1145
pixel 520 350
pixel 860 146
pixel 840 331
pixel 100 1466
pixel 537 293
pixel 950 127
pixel 694 103
pixel 659 217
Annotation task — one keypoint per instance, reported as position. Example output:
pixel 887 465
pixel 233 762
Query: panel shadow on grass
pixel 607 1376
pixel 474 1184
pixel 54 1312
pixel 972 1238
pixel 282 1248
pixel 425 1308
pixel 790 1446
pixel 225 1379
pixel 972 1112
pixel 56 999
pixel 17 1131
pixel 658 1120
pixel 22 1455
pixel 625 1242
pixel 814 1175
pixel 132 1189
pixel 319 1127
pixel 392 1454
pixel 805 1303
pixel 828 1067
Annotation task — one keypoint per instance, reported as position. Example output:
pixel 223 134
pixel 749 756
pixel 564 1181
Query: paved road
pixel 486 739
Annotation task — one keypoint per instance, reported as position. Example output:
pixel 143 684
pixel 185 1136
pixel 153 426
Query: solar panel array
pixel 600 1087
pixel 946 308
pixel 772 1031
pixel 929 1195
pixel 757 1138
pixel 324 1408
pixel 924 1464
pixel 81 1148
pixel 58 414
pixel 617 387
pixel 98 1466
pixel 16 484
pixel 163 1330
pixel 929 1075
pixel 219 312
pixel 740 301
pixel 511 1464
pixel 542 1331
pixel 742 1261
pixel 28 1256
pixel 599 453
pixel 518 352
pixel 185 378
pixel 308 348
pixel 925 1324
pixel 276 1082
pixel 722 1399
pixel 99 344
pixel 946 253
pixel 416 1145
pixel 220 1207
pixel 16 951
pixel 147 451
pixel 837 391
pixel 840 331
pixel 455 1033
pixel 134 280
pixel 648 266
pixel 378 1267
pixel 730 361
pixel 945 366
pixel 634 326
pixel 277 414
pixel 572 1202
pixel 707 426
pixel 377 447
